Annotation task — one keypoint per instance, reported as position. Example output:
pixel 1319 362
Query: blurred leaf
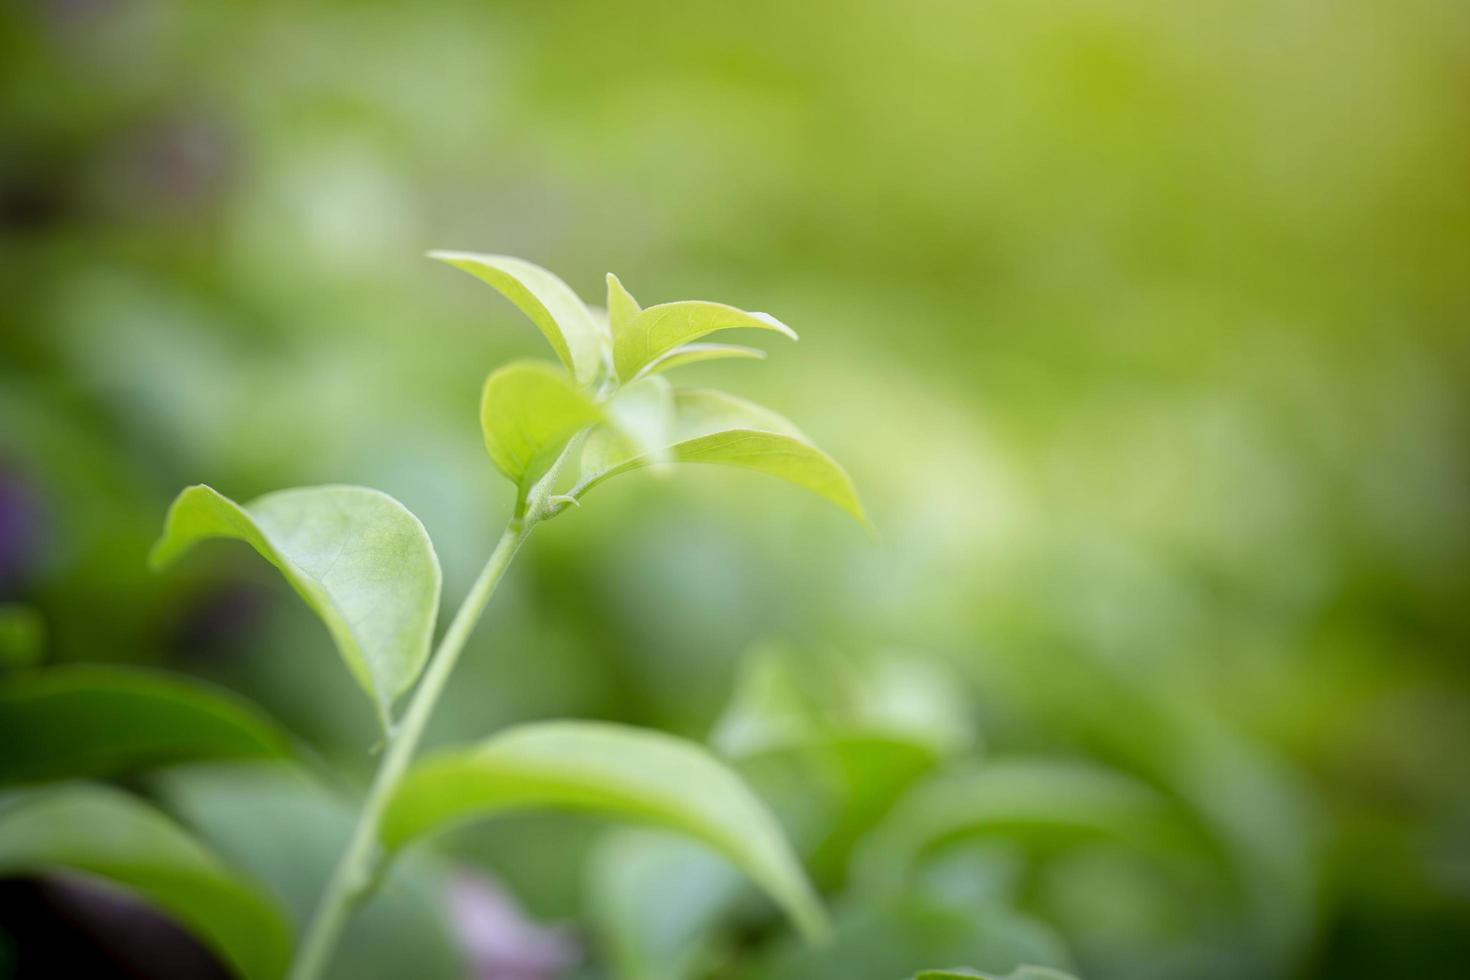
pixel 614 770
pixel 659 329
pixel 287 832
pixel 1020 973
pixel 114 836
pixel 1020 798
pixel 361 561
pixel 895 936
pixel 694 353
pixel 551 304
pixel 783 700
pixel 846 734
pixel 714 427
pixel 84 721
pixel 654 899
pixel 528 412
pixel 621 306
pixel 22 635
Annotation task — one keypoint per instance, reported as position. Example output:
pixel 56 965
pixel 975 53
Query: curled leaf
pixel 694 353
pixel 362 562
pixel 119 838
pixel 87 721
pixel 528 411
pixel 572 331
pixel 714 427
pixel 659 329
pixel 643 776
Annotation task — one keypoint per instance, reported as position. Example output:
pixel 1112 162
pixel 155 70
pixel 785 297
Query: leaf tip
pixel 776 324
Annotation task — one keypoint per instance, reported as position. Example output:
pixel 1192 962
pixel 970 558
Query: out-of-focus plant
pixel 367 568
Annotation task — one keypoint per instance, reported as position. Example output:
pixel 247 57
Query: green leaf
pixel 287 831
pixel 22 635
pixel 659 329
pixel 528 411
pixel 84 721
pixel 715 427
pixel 655 900
pixel 888 938
pixel 617 771
pixel 551 304
pixel 1020 973
pixel 640 421
pixel 1017 797
pixel 621 306
pixel 694 353
pixel 361 561
pixel 116 837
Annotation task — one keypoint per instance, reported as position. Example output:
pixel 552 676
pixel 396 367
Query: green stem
pixel 354 874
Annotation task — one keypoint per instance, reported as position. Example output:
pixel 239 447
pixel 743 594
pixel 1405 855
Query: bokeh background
pixel 1142 327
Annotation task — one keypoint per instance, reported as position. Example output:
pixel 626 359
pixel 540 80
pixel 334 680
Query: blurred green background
pixel 1142 328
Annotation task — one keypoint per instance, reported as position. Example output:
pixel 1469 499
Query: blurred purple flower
pixel 21 517
pixel 499 940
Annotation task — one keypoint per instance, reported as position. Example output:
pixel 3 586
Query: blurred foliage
pixel 1141 326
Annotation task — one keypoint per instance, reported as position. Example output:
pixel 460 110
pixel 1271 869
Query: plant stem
pixel 355 870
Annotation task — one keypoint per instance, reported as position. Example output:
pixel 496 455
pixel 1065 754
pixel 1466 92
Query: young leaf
pixel 119 838
pixel 618 771
pixel 714 427
pixel 550 303
pixel 528 411
pixel 694 353
pixel 640 417
pixel 361 561
pixel 87 721
pixel 621 306
pixel 659 329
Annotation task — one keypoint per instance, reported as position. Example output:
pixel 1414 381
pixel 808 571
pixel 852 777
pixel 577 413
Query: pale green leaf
pixel 116 837
pixel 659 329
pixel 621 306
pixel 640 422
pixel 694 353
pixel 714 427
pixel 561 316
pixel 617 771
pixel 361 561
pixel 528 411
pixel 87 721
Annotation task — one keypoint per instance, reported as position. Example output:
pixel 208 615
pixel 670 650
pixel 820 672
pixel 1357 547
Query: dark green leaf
pixel 22 636
pixel 119 838
pixel 85 721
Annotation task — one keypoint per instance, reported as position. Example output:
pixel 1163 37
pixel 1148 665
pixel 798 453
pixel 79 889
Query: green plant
pixel 367 568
